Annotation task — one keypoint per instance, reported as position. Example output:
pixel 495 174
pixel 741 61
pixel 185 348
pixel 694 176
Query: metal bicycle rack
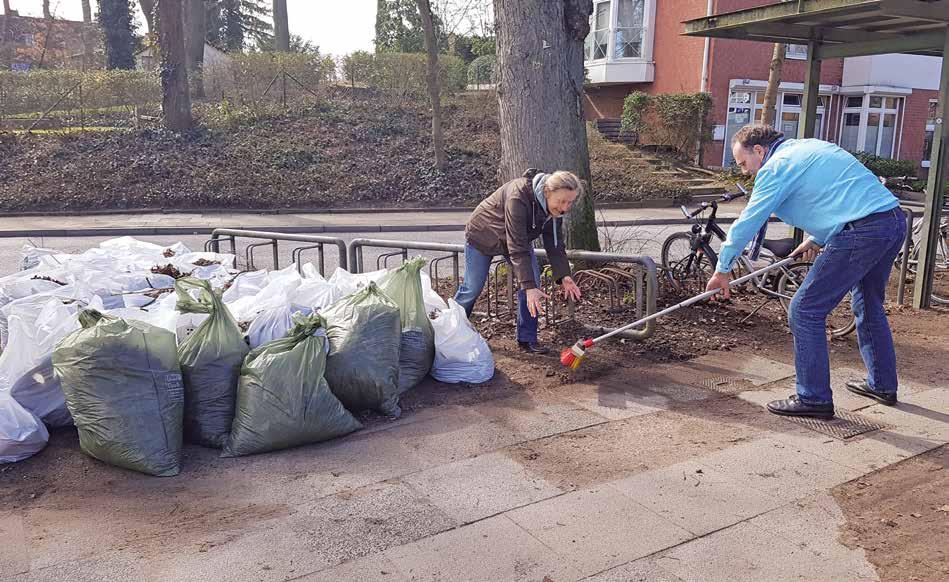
pixel 272 239
pixel 617 271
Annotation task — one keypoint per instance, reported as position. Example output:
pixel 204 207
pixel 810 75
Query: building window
pixel 850 134
pixel 597 44
pixel 745 106
pixel 796 52
pixel 25 40
pixel 869 124
pixel 630 18
pixel 930 131
pixel 617 30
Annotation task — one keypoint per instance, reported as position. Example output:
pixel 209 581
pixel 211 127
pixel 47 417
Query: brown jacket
pixel 507 222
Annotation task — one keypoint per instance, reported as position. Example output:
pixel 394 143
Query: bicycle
pixel 940 292
pixel 689 259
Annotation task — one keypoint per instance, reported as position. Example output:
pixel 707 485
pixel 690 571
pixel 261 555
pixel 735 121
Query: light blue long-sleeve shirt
pixel 813 185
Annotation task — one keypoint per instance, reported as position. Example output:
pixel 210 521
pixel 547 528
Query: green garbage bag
pixel 124 390
pixel 417 345
pixel 282 399
pixel 211 360
pixel 362 369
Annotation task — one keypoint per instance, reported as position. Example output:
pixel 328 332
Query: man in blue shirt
pixel 856 225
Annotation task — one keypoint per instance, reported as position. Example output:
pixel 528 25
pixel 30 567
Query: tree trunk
pixel 176 102
pixel 195 30
pixel 540 93
pixel 148 9
pixel 281 27
pixel 774 81
pixel 46 13
pixel 6 7
pixel 88 33
pixel 116 24
pixel 434 89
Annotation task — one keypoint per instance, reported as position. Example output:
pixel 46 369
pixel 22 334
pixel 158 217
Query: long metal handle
pixel 694 300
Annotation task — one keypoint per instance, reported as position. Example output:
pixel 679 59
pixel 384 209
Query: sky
pixel 336 26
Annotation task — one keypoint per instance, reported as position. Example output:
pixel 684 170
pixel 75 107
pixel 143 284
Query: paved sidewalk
pixel 657 480
pixel 335 222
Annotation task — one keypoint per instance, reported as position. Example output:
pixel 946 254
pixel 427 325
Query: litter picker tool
pixel 572 357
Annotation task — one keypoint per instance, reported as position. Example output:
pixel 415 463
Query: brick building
pixel 881 104
pixel 32 43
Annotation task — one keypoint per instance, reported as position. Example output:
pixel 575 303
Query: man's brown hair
pixel 757 134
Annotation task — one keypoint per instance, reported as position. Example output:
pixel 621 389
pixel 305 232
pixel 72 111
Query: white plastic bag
pixel 22 435
pixel 36 325
pixel 246 285
pixel 433 301
pixel 314 293
pixel 274 324
pixel 461 354
pixel 31 256
pixel 347 283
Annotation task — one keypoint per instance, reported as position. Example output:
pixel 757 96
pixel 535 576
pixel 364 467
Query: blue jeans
pixel 477 266
pixel 857 259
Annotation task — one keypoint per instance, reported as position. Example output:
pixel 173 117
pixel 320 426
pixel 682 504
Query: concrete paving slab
pixel 778 468
pixel 644 570
pixel 480 487
pixel 696 498
pixel 865 453
pixel 369 520
pixel 15 548
pixel 494 549
pixel 745 552
pixel 104 567
pixel 342 465
pixel 281 551
pixel 757 369
pixel 812 524
pixel 615 402
pixel 375 568
pixel 916 415
pixel 597 529
pixel 532 419
pixel 462 434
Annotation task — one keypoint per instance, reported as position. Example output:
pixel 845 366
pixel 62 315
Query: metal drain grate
pixel 726 385
pixel 844 426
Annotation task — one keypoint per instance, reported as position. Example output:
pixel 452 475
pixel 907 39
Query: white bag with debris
pixel 22 435
pixel 31 257
pixel 274 324
pixel 461 354
pixel 347 283
pixel 433 301
pixel 36 325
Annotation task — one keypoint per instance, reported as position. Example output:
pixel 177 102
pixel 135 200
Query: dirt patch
pixel 336 153
pixel 900 517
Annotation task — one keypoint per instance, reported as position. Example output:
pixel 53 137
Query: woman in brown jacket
pixel 506 223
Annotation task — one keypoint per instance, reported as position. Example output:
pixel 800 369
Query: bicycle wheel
pixel 841 321
pixel 675 248
pixel 940 291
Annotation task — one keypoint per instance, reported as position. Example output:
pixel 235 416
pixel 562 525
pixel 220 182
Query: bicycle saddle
pixel 781 247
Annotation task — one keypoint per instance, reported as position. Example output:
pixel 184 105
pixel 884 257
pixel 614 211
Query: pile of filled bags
pixel 145 347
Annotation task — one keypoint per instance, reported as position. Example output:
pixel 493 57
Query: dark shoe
pixel 863 389
pixel 533 348
pixel 794 407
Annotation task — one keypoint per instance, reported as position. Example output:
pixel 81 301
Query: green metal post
pixel 934 195
pixel 808 124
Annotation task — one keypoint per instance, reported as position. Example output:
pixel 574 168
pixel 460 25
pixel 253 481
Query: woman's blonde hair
pixel 564 180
